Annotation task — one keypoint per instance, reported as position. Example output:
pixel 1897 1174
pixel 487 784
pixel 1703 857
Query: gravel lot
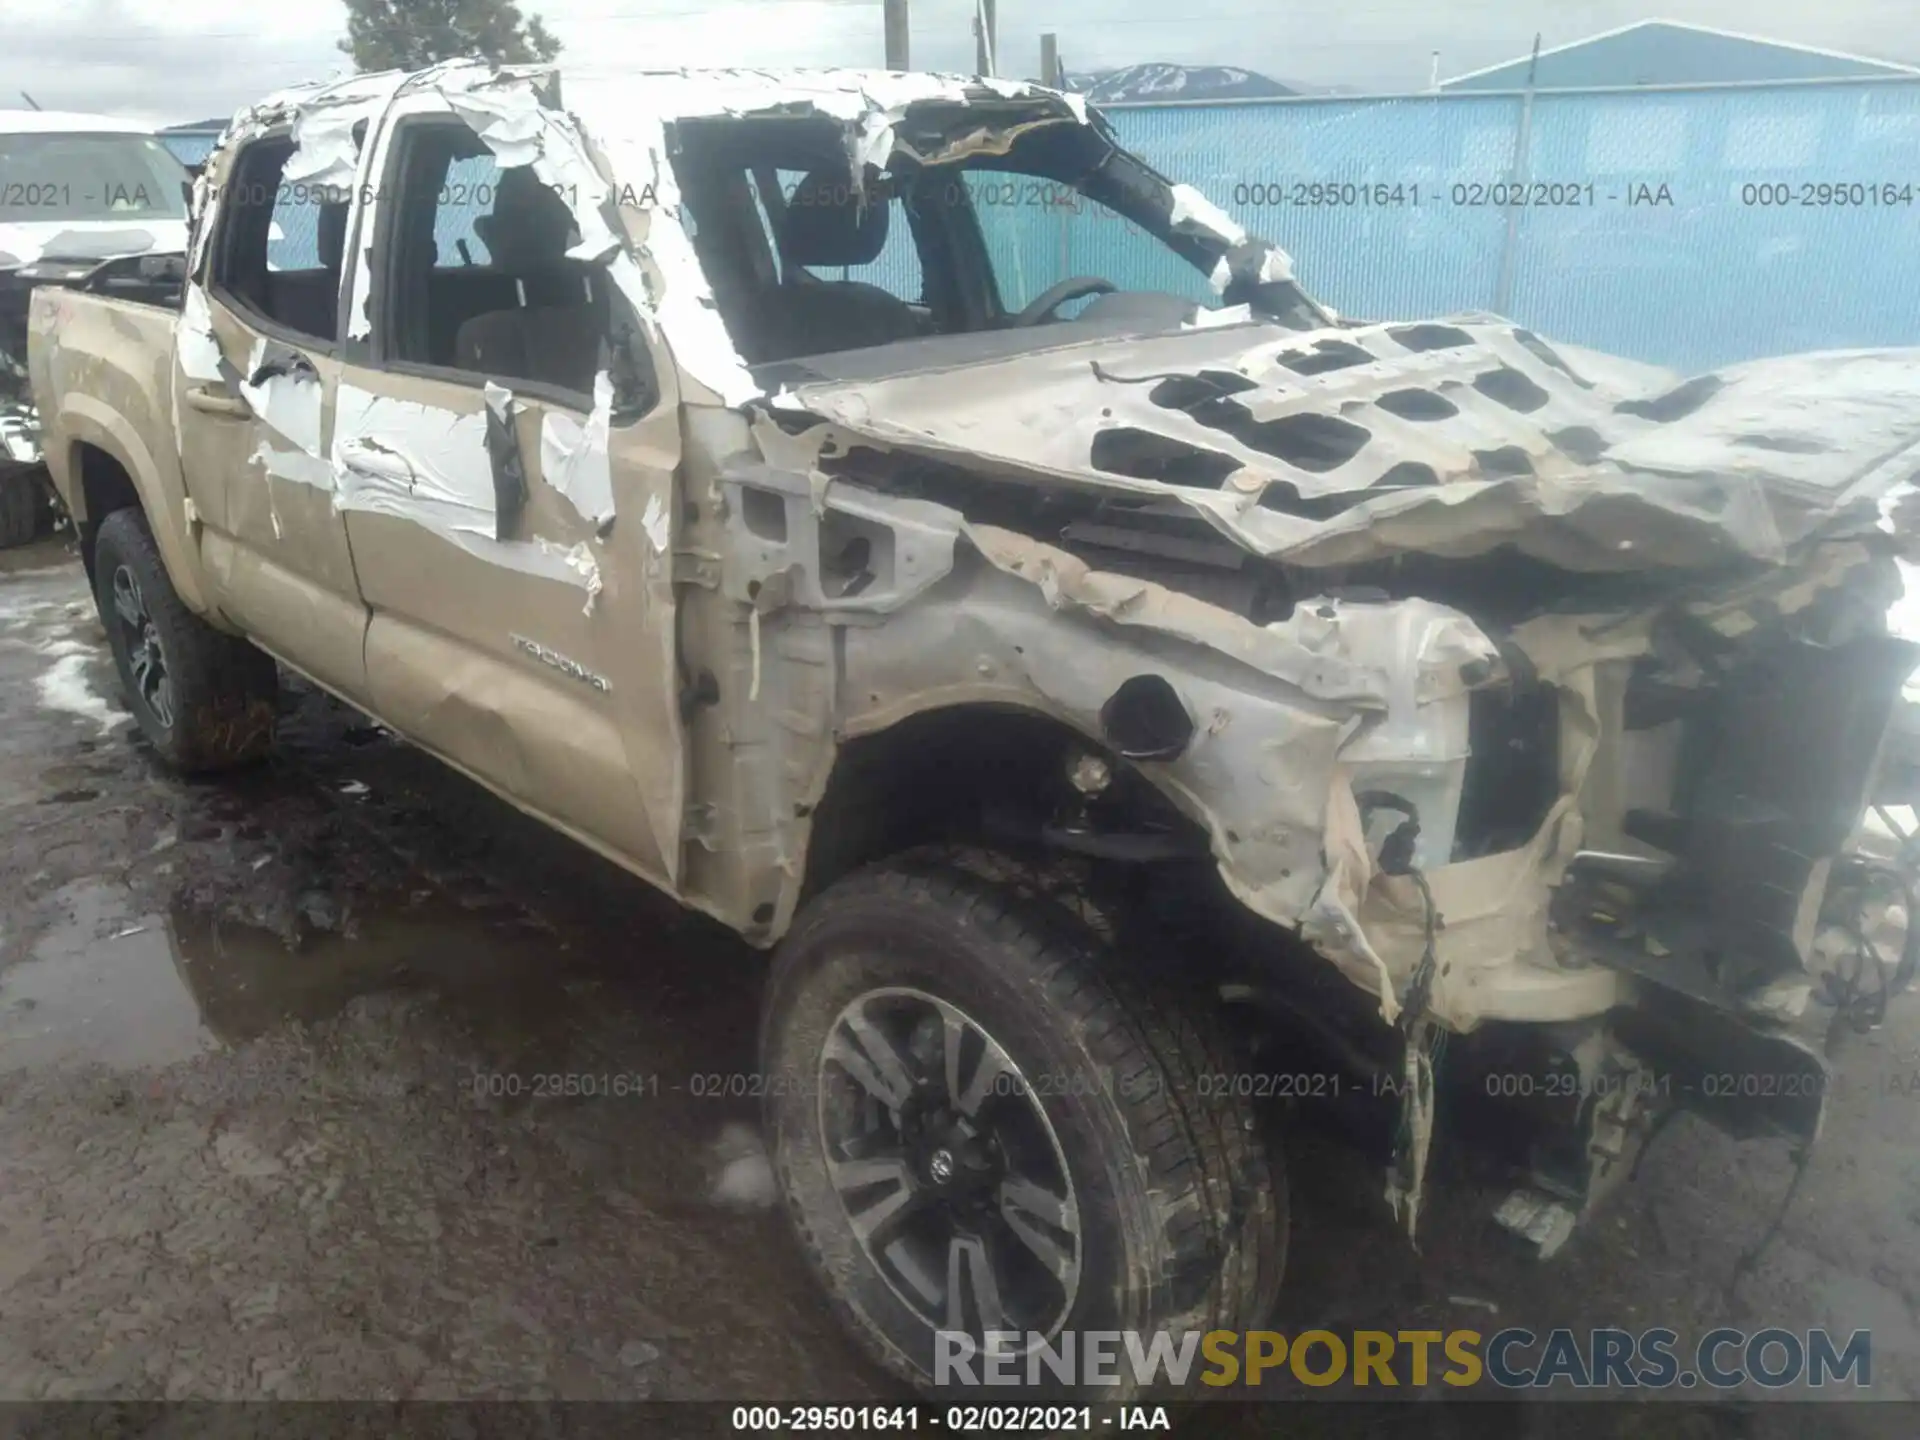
pixel 272 1122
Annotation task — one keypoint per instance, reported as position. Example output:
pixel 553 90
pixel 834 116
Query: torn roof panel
pixel 846 93
pixel 608 103
pixel 516 110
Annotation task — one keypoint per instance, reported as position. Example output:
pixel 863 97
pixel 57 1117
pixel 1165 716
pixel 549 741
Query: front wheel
pixel 205 699
pixel 982 1122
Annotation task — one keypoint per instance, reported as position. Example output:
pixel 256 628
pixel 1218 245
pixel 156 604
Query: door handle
pixel 218 402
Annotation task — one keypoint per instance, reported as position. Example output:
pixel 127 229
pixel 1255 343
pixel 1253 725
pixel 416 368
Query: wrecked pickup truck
pixel 890 517
pixel 88 202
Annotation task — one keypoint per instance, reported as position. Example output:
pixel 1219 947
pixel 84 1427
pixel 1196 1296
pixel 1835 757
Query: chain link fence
pixel 1686 227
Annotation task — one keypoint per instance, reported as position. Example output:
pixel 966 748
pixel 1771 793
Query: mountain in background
pixel 1161 81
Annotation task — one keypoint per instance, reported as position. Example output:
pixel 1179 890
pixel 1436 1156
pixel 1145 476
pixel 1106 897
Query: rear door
pixel 510 516
pixel 256 365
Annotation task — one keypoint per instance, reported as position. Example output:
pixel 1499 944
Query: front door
pixel 508 511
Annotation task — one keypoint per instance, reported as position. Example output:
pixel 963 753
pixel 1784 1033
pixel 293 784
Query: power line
pixel 141 34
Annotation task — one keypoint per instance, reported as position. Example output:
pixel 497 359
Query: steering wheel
pixel 1054 296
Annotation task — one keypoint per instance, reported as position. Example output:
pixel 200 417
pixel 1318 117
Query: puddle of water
pixel 119 1001
pixel 248 980
pixel 157 990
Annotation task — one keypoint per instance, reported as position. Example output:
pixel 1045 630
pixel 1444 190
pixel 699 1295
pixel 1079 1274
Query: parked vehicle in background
pixel 88 202
pixel 748 474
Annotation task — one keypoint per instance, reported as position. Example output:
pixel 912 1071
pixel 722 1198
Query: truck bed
pixel 101 370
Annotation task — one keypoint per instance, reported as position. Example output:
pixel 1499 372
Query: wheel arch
pixel 950 773
pixel 109 467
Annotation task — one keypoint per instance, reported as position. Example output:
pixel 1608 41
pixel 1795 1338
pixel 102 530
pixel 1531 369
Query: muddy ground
pixel 268 1055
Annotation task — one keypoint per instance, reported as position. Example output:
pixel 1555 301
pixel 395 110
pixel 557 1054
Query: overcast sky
pixel 174 60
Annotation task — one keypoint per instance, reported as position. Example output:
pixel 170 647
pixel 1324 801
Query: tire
pixel 20 505
pixel 1178 1211
pixel 211 703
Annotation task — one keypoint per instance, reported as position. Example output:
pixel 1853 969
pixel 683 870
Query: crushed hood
pixel 1448 437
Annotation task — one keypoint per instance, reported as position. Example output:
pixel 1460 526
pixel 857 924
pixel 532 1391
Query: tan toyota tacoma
pixel 890 517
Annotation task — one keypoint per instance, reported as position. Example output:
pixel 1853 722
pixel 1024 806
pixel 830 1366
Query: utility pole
pixel 896 22
pixel 1050 61
pixel 1517 180
pixel 983 37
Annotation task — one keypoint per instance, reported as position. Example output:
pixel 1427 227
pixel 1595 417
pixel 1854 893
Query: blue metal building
pixel 1670 52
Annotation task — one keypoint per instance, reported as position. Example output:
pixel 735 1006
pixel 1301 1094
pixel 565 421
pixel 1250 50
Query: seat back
pixel 554 336
pixel 827 225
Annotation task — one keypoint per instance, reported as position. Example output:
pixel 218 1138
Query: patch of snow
pixel 1163 81
pixel 744 1175
pixel 64 687
pixel 19 610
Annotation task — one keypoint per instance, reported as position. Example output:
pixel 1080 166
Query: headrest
pixel 829 223
pixel 530 225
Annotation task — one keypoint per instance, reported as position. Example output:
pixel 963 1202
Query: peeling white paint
pixel 1277 265
pixel 1903 616
pixel 578 561
pixel 1197 215
pixel 684 305
pixel 1207 318
pixel 287 404
pixel 499 400
pixel 295 465
pixel 324 154
pixel 654 522
pixel 395 457
pixel 574 458
pixel 519 130
pixel 195 345
pixel 513 129
pixel 359 305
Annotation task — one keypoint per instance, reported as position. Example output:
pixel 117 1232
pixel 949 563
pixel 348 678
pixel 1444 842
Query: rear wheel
pixel 205 699
pixel 20 505
pixel 981 1121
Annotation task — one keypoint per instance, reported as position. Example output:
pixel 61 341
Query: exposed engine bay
pixel 1592 621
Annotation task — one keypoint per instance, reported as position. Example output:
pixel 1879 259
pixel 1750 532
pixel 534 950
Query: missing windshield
pixel 1028 221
